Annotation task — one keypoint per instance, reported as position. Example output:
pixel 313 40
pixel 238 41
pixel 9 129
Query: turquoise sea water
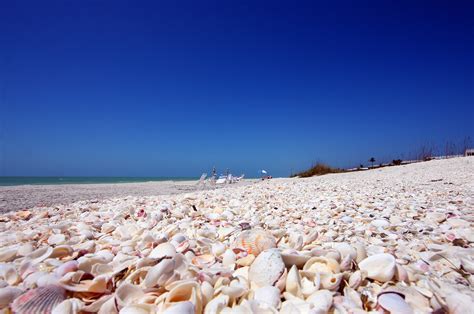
pixel 11 181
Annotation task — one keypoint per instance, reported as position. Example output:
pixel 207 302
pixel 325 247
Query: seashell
pixel 401 274
pixel 334 254
pixel 310 237
pixel 361 252
pixel 40 255
pixel 310 282
pixel 331 281
pixel 346 250
pixel 379 267
pixel 218 249
pixel 267 268
pixel 291 259
pixel 181 308
pixel 25 249
pixel 7 254
pixel 228 258
pixel 69 306
pixel 233 291
pixel 128 294
pixel 8 294
pixel 61 251
pixel 9 274
pixel 164 250
pixel 321 301
pixel 393 302
pixel 207 291
pixel 39 300
pixel 98 285
pixel 321 264
pixel 296 306
pixel 255 241
pixel 185 291
pixel 459 303
pixel 217 304
pixel 380 223
pixel 293 282
pixel 56 239
pixel 356 279
pixel 204 261
pixel 246 261
pixel 268 295
pixel 159 273
pixel 138 309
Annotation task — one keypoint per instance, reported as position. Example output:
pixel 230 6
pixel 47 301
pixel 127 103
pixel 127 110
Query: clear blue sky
pixel 159 88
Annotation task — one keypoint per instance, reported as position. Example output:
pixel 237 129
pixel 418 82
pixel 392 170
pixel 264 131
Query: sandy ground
pixel 28 196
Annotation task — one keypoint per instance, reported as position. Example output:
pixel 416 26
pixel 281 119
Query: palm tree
pixel 372 160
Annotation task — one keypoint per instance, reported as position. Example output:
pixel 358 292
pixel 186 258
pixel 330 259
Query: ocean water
pixel 11 181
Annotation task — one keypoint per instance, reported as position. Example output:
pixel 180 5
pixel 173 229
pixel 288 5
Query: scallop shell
pixel 267 268
pixel 255 241
pixel 39 300
pixel 379 267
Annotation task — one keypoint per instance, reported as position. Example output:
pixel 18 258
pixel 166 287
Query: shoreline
pixel 20 197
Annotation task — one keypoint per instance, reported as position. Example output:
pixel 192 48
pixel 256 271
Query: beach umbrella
pixel 264 172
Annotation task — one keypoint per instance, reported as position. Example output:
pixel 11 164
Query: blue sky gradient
pixel 171 88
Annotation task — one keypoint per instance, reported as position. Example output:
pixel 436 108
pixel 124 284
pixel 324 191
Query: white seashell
pixel 268 295
pixel 291 259
pixel 7 254
pixel 39 300
pixel 164 250
pixel 361 252
pixel 356 279
pixel 393 303
pixel 69 306
pixel 459 303
pixel 25 249
pixel 9 274
pixel 181 308
pixel 40 255
pixel 207 291
pixel 331 281
pixel 138 309
pixel 321 264
pixel 321 301
pixel 8 294
pixel 380 223
pixel 128 294
pixel 217 304
pixel 185 291
pixel 293 282
pixel 296 306
pixel 218 248
pixel 159 273
pixel 379 267
pixel 267 268
pixel 229 258
pixel 56 239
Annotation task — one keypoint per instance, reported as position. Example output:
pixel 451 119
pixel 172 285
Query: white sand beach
pixel 396 239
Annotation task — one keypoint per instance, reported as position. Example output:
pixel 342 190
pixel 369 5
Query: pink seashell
pixel 39 300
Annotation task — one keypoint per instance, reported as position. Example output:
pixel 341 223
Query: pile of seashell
pixel 352 243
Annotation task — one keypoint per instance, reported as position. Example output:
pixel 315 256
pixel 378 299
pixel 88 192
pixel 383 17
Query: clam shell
pixel 185 291
pixel 217 304
pixel 159 274
pixel 291 259
pixel 379 267
pixel 393 302
pixel 181 308
pixel 8 294
pixel 321 301
pixel 39 300
pixel 293 282
pixel 322 264
pixel 267 268
pixel 255 241
pixel 164 250
pixel 268 295
pixel 69 306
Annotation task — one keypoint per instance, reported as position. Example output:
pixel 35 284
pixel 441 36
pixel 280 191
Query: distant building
pixel 469 152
